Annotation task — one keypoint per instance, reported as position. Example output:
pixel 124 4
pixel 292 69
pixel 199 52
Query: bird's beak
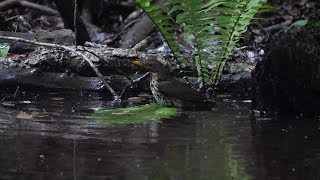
pixel 138 62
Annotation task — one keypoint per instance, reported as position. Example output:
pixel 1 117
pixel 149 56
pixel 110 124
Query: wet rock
pixel 241 75
pixel 238 67
pixel 287 80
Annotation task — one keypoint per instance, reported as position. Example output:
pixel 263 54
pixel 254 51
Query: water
pixel 57 139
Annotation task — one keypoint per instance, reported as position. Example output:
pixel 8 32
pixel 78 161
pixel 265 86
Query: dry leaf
pixel 58 99
pixel 25 115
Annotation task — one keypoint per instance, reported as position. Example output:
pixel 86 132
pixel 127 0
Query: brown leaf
pixel 18 57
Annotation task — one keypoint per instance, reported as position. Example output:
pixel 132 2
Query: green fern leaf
pixel 201 22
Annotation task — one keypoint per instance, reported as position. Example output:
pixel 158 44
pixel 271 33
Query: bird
pixel 170 92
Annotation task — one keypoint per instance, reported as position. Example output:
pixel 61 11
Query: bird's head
pixel 153 66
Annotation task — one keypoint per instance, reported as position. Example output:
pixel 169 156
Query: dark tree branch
pixel 4 5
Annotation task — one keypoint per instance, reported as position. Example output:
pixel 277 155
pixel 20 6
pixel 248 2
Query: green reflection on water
pixel 135 114
pixel 207 155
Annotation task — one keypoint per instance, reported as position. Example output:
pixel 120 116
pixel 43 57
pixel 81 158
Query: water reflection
pixel 289 149
pixel 61 142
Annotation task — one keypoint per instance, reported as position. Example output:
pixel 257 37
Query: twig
pixel 140 78
pixel 142 45
pixel 278 26
pixel 116 97
pixel 75 27
pixel 16 92
pixel 74 159
pixel 133 82
pixel 10 3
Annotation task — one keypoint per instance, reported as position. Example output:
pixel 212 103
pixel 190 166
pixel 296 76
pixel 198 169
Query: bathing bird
pixel 170 92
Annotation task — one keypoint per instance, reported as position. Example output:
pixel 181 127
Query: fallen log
pixel 99 60
pixel 107 60
pixel 62 36
pixel 34 77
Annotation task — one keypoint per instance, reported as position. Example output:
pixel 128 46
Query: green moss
pixel 136 114
pixel 4 49
pixel 317 24
pixel 299 23
pixel 314 21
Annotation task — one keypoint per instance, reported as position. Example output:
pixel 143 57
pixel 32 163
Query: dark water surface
pixel 51 136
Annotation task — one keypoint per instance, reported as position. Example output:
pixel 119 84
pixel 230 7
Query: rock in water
pixel 287 80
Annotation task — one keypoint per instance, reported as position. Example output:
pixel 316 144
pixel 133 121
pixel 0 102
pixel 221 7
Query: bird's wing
pixel 179 90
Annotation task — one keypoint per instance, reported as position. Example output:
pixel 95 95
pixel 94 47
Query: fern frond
pixel 160 15
pixel 237 16
pixel 212 27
